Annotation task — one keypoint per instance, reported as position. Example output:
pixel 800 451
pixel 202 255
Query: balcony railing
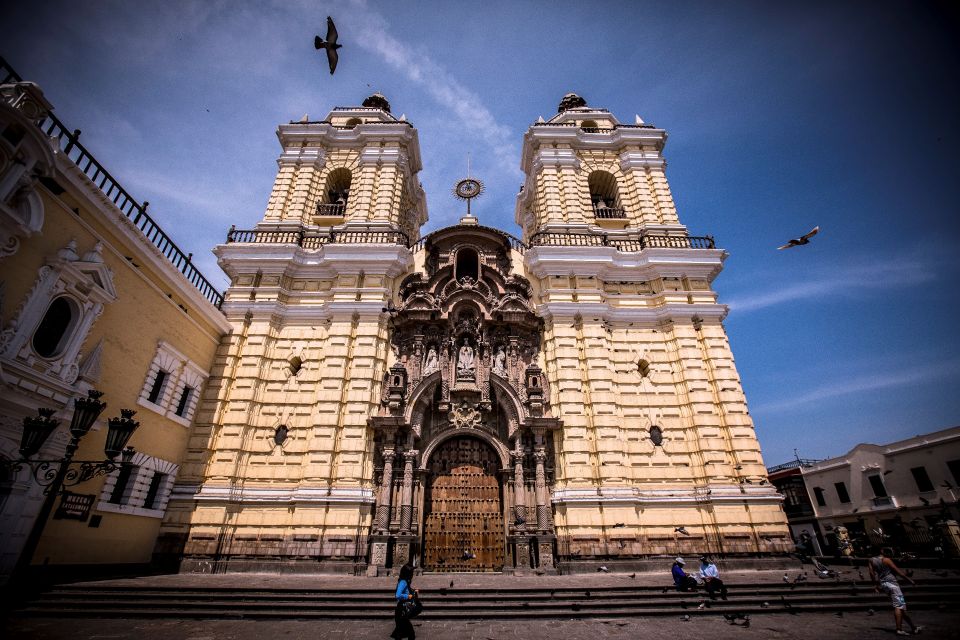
pixel 609 213
pixel 597 129
pixel 312 240
pixel 625 243
pixel 70 146
pixel 335 209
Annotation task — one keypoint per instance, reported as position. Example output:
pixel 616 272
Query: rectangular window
pixel 123 479
pixel 954 466
pixel 876 482
pixel 155 482
pixel 157 389
pixel 818 494
pixel 842 494
pixel 184 401
pixel 922 479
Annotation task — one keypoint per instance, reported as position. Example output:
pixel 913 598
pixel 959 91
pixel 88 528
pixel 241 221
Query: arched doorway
pixel 463 529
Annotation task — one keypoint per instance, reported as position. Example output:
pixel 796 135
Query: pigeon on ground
pixel 786 578
pixel 804 239
pixel 632 576
pixel 451 584
pixel 681 531
pixel 603 568
pixel 330 45
pixel 685 618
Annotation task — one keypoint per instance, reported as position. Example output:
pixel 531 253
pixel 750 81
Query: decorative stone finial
pixel 377 101
pixel 69 252
pixel 571 101
pixel 94 255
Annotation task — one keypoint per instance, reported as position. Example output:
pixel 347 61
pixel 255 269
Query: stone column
pixel 543 509
pixel 519 490
pixel 406 501
pixel 386 484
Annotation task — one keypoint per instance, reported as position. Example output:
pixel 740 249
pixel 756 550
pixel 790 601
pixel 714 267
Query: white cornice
pixel 606 263
pixel 293 136
pixel 542 136
pixel 305 496
pixel 666 497
pixel 283 314
pixel 326 262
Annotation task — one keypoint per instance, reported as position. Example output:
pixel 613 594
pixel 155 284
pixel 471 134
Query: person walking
pixel 884 574
pixel 403 627
pixel 711 579
pixel 682 581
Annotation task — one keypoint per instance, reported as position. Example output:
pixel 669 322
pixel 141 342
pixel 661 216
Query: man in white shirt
pixel 711 579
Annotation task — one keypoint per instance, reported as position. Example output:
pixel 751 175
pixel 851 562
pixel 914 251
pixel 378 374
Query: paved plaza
pixel 937 624
pixel 820 626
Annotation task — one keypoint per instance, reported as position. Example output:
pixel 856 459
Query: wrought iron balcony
pixel 597 129
pixel 334 209
pixel 625 243
pixel 609 213
pixel 314 240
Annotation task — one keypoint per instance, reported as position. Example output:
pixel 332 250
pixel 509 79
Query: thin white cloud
pixel 864 383
pixel 844 280
pixel 440 84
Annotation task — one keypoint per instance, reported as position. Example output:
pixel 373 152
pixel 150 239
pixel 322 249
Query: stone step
pixel 386 613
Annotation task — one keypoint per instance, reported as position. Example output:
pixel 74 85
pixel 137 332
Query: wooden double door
pixel 463 530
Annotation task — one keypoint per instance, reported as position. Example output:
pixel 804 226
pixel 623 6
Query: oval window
pixel 51 335
pixel 656 435
pixel 280 435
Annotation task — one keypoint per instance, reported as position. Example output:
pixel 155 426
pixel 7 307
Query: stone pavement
pixel 937 624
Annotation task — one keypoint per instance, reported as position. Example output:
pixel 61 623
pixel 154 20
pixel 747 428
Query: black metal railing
pixel 313 240
pixel 597 129
pixel 515 243
pixel 335 209
pixel 69 143
pixel 609 213
pixel 625 243
pixel 793 464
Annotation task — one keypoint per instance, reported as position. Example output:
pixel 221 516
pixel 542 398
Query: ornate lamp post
pixel 65 471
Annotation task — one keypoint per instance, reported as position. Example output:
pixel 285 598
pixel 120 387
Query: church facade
pixel 468 400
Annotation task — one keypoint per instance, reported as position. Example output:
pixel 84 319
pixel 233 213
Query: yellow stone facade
pixel 71 236
pixel 313 442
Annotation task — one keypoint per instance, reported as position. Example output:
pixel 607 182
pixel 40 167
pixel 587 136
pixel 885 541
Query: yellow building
pixel 94 295
pixel 469 400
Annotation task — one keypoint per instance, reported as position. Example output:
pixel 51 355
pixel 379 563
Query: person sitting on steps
pixel 711 579
pixel 681 580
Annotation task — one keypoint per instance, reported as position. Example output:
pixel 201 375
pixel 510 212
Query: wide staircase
pixel 95 600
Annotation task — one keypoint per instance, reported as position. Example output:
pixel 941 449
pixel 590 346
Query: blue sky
pixel 781 116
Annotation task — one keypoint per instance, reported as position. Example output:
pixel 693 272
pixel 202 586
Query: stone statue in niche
pixel 430 362
pixel 465 362
pixel 500 363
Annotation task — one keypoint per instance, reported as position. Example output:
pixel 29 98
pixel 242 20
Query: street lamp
pixel 56 474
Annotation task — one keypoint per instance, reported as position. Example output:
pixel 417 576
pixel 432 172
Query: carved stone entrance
pixel 463 530
pixel 464 435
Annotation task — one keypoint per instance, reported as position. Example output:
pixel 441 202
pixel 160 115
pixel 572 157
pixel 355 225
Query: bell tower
pixel 279 467
pixel 657 454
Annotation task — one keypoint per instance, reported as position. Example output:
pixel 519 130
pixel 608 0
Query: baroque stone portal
pixel 467 411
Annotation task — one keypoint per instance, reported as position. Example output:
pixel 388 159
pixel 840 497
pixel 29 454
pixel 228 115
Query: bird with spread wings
pixel 330 44
pixel 804 239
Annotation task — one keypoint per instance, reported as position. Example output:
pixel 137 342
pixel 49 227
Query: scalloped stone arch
pixel 499 447
pixel 507 398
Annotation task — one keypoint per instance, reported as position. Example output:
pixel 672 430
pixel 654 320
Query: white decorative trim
pixel 607 263
pixel 666 497
pixel 145 467
pixel 181 373
pixel 306 496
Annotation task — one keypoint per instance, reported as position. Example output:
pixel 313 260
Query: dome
pixel 377 101
pixel 571 101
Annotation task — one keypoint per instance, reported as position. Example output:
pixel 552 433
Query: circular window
pixel 52 334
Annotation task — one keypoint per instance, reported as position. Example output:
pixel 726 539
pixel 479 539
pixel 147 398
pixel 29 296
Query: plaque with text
pixel 74 506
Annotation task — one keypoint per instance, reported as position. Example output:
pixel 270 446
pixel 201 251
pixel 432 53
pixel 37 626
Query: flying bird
pixel 804 239
pixel 681 530
pixel 330 45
